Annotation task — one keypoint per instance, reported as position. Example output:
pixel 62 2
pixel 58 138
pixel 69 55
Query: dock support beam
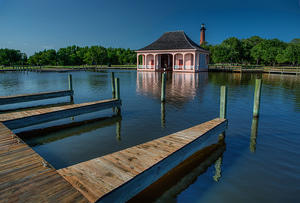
pixel 71 88
pixel 163 88
pixel 257 94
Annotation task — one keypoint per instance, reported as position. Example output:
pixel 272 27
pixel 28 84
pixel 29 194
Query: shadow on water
pixel 50 134
pixel 182 176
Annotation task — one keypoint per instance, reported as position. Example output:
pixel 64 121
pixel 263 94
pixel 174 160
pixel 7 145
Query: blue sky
pixel 34 25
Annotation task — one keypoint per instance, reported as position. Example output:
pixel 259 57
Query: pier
pixel 116 177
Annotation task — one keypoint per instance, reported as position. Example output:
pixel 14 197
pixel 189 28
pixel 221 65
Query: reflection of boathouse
pixel 173 51
pixel 180 88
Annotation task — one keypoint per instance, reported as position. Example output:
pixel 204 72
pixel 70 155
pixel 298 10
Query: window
pixel 180 62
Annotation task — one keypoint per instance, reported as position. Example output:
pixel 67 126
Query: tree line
pixel 71 55
pixel 255 50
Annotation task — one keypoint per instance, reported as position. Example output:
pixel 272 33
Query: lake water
pixel 260 164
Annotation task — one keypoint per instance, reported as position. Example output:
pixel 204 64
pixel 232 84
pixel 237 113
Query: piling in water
pixel 113 88
pixel 223 102
pixel 117 94
pixel 71 87
pixel 257 94
pixel 163 88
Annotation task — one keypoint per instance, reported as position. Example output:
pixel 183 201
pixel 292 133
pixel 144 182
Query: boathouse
pixel 173 51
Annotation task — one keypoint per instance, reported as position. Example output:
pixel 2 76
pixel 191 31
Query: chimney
pixel 202 34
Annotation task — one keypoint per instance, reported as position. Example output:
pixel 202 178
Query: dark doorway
pixel 166 61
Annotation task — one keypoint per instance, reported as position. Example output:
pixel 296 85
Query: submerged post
pixel 71 87
pixel 257 94
pixel 223 102
pixel 113 88
pixel 117 94
pixel 163 88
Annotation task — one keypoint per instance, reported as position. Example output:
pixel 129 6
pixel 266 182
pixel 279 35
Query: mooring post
pixel 117 94
pixel 113 88
pixel 223 102
pixel 71 88
pixel 163 88
pixel 223 107
pixel 257 94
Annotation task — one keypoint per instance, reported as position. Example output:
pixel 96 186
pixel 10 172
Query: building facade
pixel 173 51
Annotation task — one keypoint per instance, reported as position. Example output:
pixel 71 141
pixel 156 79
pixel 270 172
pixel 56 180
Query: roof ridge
pixel 186 37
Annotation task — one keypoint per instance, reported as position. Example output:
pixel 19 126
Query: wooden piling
pixel 113 87
pixel 257 94
pixel 117 94
pixel 223 102
pixel 163 88
pixel 71 87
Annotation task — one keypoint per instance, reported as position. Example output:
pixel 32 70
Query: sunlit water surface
pixel 261 164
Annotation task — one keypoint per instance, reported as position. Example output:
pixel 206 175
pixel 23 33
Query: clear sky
pixel 34 25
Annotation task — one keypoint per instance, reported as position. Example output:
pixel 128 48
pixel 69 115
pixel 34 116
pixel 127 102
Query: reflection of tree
pixel 288 83
pixel 180 87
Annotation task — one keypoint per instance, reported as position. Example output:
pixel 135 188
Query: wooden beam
pixel 33 97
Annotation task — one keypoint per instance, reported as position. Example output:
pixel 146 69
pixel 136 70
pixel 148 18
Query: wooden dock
pixel 21 119
pixel 119 176
pixel 26 177
pixel 32 97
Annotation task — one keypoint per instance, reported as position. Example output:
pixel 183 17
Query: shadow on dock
pixel 46 135
pixel 178 179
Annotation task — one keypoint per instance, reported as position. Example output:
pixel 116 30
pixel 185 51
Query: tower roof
pixel 172 41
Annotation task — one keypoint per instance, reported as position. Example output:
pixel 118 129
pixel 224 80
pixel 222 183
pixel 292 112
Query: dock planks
pixel 119 176
pixel 32 97
pixel 21 119
pixel 26 177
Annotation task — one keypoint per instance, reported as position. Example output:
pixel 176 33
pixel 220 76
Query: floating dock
pixel 21 119
pixel 119 176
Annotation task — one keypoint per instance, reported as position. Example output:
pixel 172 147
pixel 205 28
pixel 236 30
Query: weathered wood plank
pixel 26 177
pixel 119 176
pixel 26 118
pixel 36 96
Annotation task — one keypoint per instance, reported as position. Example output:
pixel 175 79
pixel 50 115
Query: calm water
pixel 261 164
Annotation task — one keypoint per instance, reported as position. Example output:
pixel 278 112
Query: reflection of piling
pixel 254 127
pixel 117 94
pixel 163 88
pixel 257 94
pixel 218 169
pixel 118 130
pixel 163 114
pixel 71 87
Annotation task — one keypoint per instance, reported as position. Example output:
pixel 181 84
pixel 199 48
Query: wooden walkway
pixel 32 97
pixel 26 177
pixel 31 117
pixel 119 176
